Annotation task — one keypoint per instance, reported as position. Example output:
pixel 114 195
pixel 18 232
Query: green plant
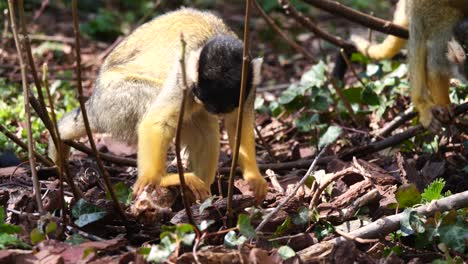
pixel 8 238
pixel 12 113
pixel 172 238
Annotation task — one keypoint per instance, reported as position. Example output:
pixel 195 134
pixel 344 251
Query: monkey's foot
pixel 199 188
pixel 258 185
pixel 142 182
pixel 435 117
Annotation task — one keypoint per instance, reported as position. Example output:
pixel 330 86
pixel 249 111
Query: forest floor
pixel 367 171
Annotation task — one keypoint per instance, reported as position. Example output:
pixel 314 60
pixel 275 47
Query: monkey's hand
pixel 258 185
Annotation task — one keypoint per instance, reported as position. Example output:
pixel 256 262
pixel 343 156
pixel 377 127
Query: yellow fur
pixel 138 94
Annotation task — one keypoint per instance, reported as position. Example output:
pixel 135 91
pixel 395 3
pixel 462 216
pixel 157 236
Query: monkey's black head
pixel 460 31
pixel 219 74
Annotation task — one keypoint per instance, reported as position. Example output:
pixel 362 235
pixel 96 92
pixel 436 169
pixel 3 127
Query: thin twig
pixel 27 47
pixel 24 146
pixel 396 122
pixel 395 139
pixel 265 144
pixel 366 20
pixel 345 100
pixel 291 194
pixel 355 238
pixel 40 105
pixel 32 160
pixel 306 22
pixel 323 186
pixel 180 167
pixel 62 159
pixel 280 32
pixel 235 151
pixel 79 88
pixel 107 157
pixel 350 66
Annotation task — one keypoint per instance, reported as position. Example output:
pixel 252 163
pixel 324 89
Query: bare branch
pixel 26 91
pixel 235 151
pixel 366 20
pixel 79 88
pixel 180 167
pixel 280 32
pixel 385 225
pixel 306 22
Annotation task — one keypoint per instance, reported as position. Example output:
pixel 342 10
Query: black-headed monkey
pixel 138 93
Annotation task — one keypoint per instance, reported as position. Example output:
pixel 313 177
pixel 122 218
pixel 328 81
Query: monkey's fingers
pixel 199 188
pixel 258 185
pixel 144 182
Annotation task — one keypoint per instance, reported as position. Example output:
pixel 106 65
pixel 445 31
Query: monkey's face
pixel 219 75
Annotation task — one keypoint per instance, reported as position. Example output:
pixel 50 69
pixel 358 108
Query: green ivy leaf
pixel 454 236
pixel 205 224
pixel 51 227
pixel 316 76
pixel 160 253
pixel 369 96
pixel 302 217
pixel 330 136
pixel 123 193
pixel 7 240
pixel 411 223
pixel 231 239
pixel 245 227
pixel 283 227
pixel 75 239
pixel 353 94
pixel 407 196
pixel 286 252
pixel 372 69
pixel 36 236
pixel 86 213
pixel 287 97
pixel 207 203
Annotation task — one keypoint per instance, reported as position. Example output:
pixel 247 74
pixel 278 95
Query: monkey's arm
pixel 155 133
pixel 247 156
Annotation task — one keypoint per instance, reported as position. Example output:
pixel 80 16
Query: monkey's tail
pixel 417 61
pixel 391 45
pixel 70 126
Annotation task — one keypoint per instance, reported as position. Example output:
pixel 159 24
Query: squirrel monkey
pixel 138 93
pixel 430 24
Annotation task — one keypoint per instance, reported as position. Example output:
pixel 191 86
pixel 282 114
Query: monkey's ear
pixel 192 66
pixel 257 70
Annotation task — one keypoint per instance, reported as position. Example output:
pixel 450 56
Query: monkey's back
pixel 153 48
pixel 132 75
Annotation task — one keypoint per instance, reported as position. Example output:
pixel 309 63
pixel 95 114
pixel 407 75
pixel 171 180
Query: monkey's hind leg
pixel 70 126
